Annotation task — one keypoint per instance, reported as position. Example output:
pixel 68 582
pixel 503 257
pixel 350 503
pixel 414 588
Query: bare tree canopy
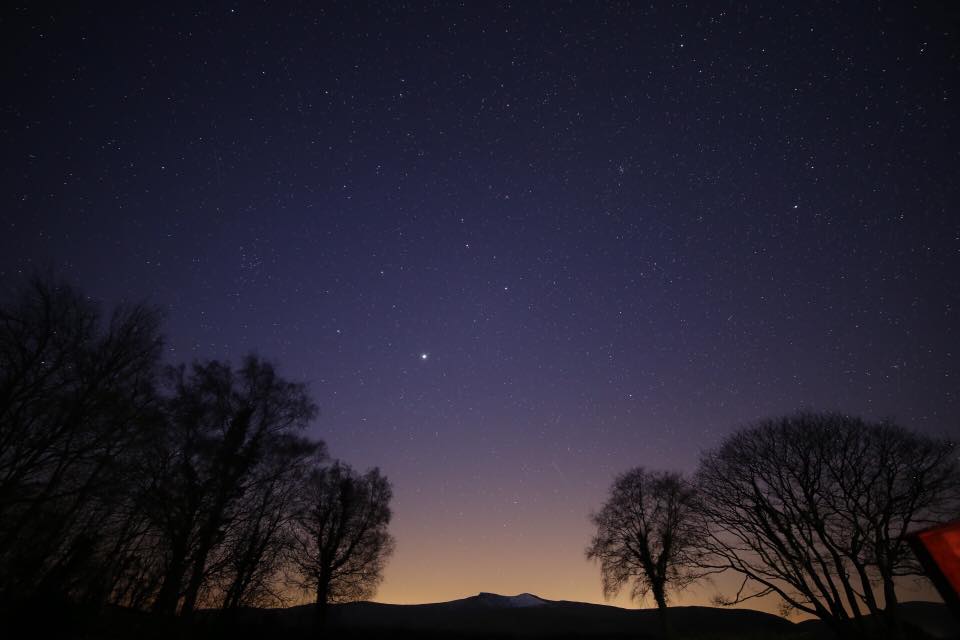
pixel 816 509
pixel 341 537
pixel 164 489
pixel 76 395
pixel 645 537
pixel 223 424
pixel 251 558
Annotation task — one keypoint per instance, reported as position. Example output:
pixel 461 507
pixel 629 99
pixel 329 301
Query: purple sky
pixel 616 232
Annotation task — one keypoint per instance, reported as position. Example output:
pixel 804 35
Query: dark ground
pixel 471 618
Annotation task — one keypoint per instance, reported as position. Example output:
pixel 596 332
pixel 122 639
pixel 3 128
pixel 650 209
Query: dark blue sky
pixel 616 231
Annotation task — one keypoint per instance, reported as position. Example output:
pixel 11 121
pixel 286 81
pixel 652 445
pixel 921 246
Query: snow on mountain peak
pixel 521 600
pixel 526 600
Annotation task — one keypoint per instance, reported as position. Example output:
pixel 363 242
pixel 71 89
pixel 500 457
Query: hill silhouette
pixel 930 618
pixel 485 615
pixel 490 615
pixel 528 615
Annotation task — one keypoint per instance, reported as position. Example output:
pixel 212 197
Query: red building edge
pixel 938 549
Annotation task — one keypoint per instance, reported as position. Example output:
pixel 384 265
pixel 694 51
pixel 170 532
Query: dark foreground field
pixel 481 616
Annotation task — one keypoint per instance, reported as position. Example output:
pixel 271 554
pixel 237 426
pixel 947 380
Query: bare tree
pixel 254 550
pixel 815 508
pixel 111 491
pixel 645 537
pixel 341 542
pixel 222 424
pixel 76 397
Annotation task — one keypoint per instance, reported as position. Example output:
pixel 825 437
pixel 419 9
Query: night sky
pixel 513 249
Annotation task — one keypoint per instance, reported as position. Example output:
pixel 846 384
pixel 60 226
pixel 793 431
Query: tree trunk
pixel 659 595
pixel 204 547
pixel 320 608
pixel 166 602
pixel 246 567
pixel 891 619
pixel 227 487
pixel 196 581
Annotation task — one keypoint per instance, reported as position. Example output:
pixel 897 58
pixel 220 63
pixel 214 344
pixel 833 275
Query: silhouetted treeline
pixel 815 509
pixel 124 481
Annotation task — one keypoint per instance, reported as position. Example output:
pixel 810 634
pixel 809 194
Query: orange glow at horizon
pixel 452 556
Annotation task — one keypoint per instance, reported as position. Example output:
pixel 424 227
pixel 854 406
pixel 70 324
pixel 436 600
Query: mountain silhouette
pixel 491 615
pixel 528 615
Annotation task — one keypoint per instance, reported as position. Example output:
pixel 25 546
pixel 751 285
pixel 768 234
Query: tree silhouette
pixel 645 537
pixel 341 542
pixel 76 401
pixel 816 508
pixel 253 551
pixel 222 425
pixel 121 485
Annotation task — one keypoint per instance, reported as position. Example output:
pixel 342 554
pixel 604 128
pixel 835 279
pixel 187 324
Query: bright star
pixel 424 356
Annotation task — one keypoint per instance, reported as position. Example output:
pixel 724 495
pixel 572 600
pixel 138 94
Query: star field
pixel 514 249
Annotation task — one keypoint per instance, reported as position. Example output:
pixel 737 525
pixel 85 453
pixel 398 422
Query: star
pixel 424 356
